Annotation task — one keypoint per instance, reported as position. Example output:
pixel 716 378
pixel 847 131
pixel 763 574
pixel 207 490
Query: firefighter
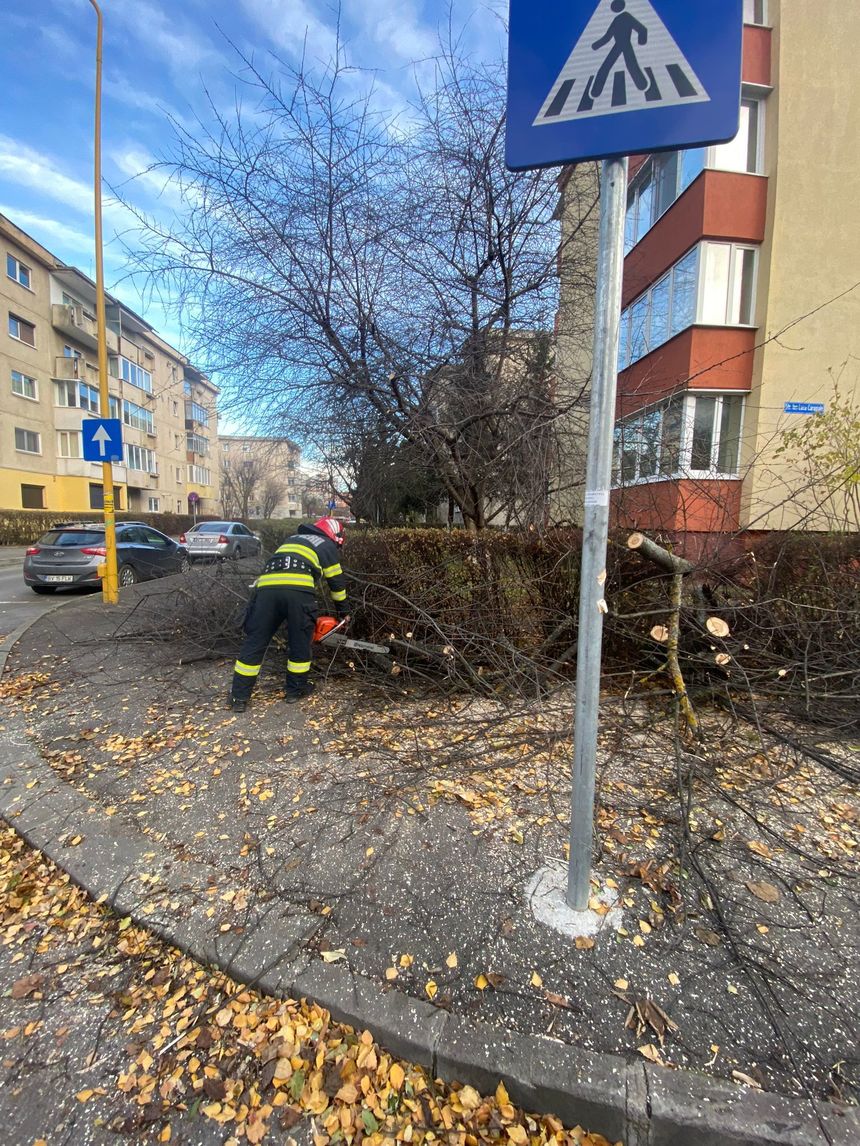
pixel 286 591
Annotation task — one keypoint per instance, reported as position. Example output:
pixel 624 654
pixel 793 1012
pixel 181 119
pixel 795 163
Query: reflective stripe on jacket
pixel 302 561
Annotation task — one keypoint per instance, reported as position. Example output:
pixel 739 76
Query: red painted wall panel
pixel 701 358
pixel 756 57
pixel 686 505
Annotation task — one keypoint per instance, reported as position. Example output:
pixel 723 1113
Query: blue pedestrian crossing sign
pixel 102 439
pixel 592 79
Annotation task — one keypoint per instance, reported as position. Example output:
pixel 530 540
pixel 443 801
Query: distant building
pixel 49 385
pixel 739 299
pixel 260 477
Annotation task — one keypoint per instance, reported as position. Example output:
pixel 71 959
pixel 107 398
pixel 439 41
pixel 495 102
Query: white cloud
pixel 292 25
pixel 118 88
pixel 160 34
pixel 26 167
pixel 44 229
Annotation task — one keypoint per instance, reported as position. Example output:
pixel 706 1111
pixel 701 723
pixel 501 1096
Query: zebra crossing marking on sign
pixel 627 41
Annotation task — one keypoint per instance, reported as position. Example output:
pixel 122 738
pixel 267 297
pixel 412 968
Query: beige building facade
pixel 741 301
pixel 49 385
pixel 260 477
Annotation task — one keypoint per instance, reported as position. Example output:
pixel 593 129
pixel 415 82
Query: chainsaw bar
pixel 343 642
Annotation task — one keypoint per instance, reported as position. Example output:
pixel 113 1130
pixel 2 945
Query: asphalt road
pixel 19 604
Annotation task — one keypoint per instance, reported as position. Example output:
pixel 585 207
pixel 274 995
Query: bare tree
pixel 270 496
pixel 240 478
pixel 343 268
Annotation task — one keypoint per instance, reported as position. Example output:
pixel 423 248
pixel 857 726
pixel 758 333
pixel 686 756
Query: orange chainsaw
pixel 327 631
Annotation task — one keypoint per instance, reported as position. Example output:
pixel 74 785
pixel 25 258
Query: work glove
pixel 342 613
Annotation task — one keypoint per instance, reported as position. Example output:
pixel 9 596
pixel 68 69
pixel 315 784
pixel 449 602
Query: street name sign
pixel 102 439
pixel 803 408
pixel 593 79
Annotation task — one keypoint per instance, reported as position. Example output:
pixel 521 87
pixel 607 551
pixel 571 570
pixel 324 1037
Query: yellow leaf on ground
pixel 621 984
pixel 469 1098
pixel 482 982
pixel 502 1097
pixel 407 960
pixel 396 1075
pixel 84 1095
pixel 583 942
pixel 431 989
pixel 390 973
pixel 644 927
pixel 333 956
pixel 224 1017
pixel 518 1136
pixel 536 980
pixel 451 961
pixel 673 979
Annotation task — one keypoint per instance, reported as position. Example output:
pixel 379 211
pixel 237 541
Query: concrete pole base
pixel 545 895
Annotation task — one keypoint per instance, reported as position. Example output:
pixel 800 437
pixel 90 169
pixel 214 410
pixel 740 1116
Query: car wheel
pixel 238 554
pixel 184 564
pixel 43 588
pixel 127 575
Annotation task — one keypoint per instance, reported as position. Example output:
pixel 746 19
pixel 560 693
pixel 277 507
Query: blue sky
pixel 160 59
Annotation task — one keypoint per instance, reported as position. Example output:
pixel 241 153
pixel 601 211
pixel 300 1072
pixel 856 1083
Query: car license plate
pixel 59 577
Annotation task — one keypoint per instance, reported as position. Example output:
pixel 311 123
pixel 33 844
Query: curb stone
pixel 634 1102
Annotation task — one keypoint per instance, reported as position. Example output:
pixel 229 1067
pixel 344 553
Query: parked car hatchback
pixel 220 539
pixel 70 554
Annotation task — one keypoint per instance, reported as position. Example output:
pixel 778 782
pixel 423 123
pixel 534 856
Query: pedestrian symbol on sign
pixel 652 73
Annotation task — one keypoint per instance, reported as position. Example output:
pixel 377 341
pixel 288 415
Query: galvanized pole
pixel 610 262
pixel 110 591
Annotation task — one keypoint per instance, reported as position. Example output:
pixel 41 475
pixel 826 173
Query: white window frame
pixel 749 13
pixel 137 417
pixel 21 321
pixel 62 386
pixel 735 268
pixel 133 374
pixel 19 266
pixel 685 447
pixel 34 397
pixel 154 505
pixel 23 449
pixel 134 454
pixel 199 475
pixel 70 435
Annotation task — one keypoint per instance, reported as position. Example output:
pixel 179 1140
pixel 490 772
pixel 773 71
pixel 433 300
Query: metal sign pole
pixel 110 591
pixel 610 262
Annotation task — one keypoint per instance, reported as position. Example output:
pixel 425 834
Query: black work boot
pixel 294 695
pixel 237 703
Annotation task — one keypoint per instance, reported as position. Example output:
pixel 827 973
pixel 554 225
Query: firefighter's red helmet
pixel 332 527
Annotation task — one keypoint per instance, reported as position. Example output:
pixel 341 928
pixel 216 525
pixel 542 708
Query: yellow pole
pixel 110 589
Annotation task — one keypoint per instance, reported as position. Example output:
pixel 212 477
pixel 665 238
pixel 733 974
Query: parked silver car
pixel 215 540
pixel 70 554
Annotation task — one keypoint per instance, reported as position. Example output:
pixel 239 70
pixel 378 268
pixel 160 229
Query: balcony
pixel 71 369
pixel 76 323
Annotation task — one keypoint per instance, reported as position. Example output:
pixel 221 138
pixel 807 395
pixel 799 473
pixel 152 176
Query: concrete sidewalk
pixel 265 845
pixel 12 555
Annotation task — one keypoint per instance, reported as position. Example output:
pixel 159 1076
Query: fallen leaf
pixel 396 1075
pixel 430 989
pixel 760 849
pixel 650 1052
pixel 451 961
pixel 763 891
pixel 27 986
pixel 518 1136
pixel 390 973
pixel 224 1017
pixel 705 936
pixel 333 956
pixel 583 943
pixel 621 984
pixel 482 982
pixel 407 960
pixel 673 979
pixel 536 980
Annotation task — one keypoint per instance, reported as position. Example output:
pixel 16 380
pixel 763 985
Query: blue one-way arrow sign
pixel 590 79
pixel 102 439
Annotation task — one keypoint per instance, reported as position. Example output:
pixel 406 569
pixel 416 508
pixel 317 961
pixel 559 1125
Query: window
pixel 78 395
pixel 755 11
pixel 713 284
pixel 113 406
pixel 97 499
pixel 137 417
pixel 17 271
pixel 197 444
pixel 132 373
pixel 153 505
pixel 175 408
pixel 663 178
pixel 140 458
pixel 179 475
pixel 198 474
pixel 21 329
pixel 178 506
pixel 694 435
pixel 24 386
pixel 70 352
pixel 69 444
pixel 193 410
pixel 728 286
pixel 32 497
pixel 28 441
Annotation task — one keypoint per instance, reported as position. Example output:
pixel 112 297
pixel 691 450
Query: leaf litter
pixel 200 1044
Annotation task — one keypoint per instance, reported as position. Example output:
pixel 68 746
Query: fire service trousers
pixel 270 608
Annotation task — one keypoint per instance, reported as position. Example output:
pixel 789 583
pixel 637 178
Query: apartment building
pixel 49 384
pixel 260 477
pixel 740 299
